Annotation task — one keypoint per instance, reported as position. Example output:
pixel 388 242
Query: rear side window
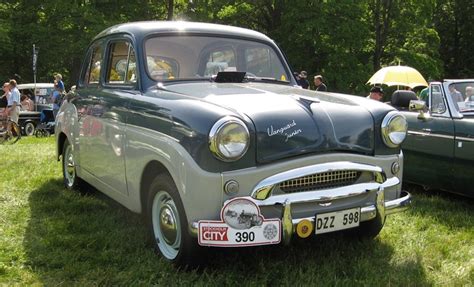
pixel 92 73
pixel 121 67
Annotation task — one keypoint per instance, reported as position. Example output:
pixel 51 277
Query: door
pixel 104 122
pixel 85 102
pixel 429 147
pixel 464 156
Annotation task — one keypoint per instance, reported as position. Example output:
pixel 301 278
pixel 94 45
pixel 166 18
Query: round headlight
pixel 229 139
pixel 394 129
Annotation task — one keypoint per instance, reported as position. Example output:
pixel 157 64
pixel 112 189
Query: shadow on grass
pixel 88 239
pixel 449 209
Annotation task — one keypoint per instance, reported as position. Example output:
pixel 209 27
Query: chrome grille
pixel 320 181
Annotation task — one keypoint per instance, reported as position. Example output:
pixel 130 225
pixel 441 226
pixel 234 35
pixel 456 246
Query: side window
pixel 438 105
pixel 121 68
pixel 220 60
pixel 92 73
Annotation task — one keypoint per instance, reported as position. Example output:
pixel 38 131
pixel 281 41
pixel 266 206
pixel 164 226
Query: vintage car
pixel 39 94
pixel 189 123
pixel 439 149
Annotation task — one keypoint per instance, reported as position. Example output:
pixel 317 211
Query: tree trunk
pixel 170 10
pixel 378 36
pixel 382 17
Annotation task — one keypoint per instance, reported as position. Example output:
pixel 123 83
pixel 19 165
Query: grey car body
pixel 147 138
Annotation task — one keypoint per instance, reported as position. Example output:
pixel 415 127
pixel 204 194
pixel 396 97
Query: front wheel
pixel 167 223
pixel 70 178
pixel 29 129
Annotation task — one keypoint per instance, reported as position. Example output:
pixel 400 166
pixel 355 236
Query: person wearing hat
pixel 303 81
pixel 376 93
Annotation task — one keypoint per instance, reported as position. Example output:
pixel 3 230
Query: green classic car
pixel 439 149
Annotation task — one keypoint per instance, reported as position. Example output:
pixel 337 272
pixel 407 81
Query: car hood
pixel 290 121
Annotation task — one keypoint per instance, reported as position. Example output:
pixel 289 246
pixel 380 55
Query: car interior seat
pixel 401 99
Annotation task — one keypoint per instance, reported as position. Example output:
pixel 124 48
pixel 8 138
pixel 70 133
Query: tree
pixel 453 20
pixel 344 40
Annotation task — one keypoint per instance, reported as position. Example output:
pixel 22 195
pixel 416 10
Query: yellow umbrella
pixel 398 76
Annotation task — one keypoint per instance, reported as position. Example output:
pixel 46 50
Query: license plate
pixel 339 220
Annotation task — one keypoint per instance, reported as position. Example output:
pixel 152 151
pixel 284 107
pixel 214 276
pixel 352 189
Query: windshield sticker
pixel 286 130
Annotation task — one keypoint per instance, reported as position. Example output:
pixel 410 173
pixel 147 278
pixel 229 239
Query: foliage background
pixel 344 40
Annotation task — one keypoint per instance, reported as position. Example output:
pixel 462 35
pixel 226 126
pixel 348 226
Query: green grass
pixel 51 236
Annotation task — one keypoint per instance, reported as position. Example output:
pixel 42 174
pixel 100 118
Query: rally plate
pixel 242 224
pixel 215 233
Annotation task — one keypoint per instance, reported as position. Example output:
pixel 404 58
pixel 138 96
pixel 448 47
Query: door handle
pixel 426 130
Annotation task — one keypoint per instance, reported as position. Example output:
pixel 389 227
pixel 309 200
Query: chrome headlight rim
pixel 214 136
pixel 387 121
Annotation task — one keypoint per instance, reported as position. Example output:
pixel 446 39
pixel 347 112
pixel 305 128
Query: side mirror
pixel 420 106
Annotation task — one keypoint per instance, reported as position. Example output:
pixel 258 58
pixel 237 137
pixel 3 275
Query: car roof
pixel 148 27
pixel 37 85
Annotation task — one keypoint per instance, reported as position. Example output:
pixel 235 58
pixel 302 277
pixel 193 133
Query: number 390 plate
pixel 333 221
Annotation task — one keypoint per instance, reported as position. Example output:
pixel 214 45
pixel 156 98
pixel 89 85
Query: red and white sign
pixel 241 225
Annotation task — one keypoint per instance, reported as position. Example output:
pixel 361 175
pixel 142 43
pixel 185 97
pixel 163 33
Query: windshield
pixel 463 95
pixel 198 57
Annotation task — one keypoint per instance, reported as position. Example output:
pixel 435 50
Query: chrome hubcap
pixel 166 225
pixel 69 166
pixel 29 129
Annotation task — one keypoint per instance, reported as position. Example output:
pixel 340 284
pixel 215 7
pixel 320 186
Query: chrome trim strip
pixel 270 182
pixel 319 195
pixel 287 227
pixel 397 205
pixel 368 213
pixel 325 195
pixel 464 139
pixel 428 134
pixel 391 182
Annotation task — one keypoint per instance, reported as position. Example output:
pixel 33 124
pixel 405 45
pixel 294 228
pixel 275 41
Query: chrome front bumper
pixel 262 195
pixel 382 208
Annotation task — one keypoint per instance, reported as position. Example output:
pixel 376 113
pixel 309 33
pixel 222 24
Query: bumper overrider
pixel 242 223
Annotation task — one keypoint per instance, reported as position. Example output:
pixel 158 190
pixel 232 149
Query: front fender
pixel 146 145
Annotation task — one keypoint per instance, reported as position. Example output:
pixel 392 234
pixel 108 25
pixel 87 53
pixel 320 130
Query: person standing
pixel 455 94
pixel 56 98
pixel 319 84
pixel 424 95
pixel 13 104
pixel 4 103
pixel 59 80
pixel 303 80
